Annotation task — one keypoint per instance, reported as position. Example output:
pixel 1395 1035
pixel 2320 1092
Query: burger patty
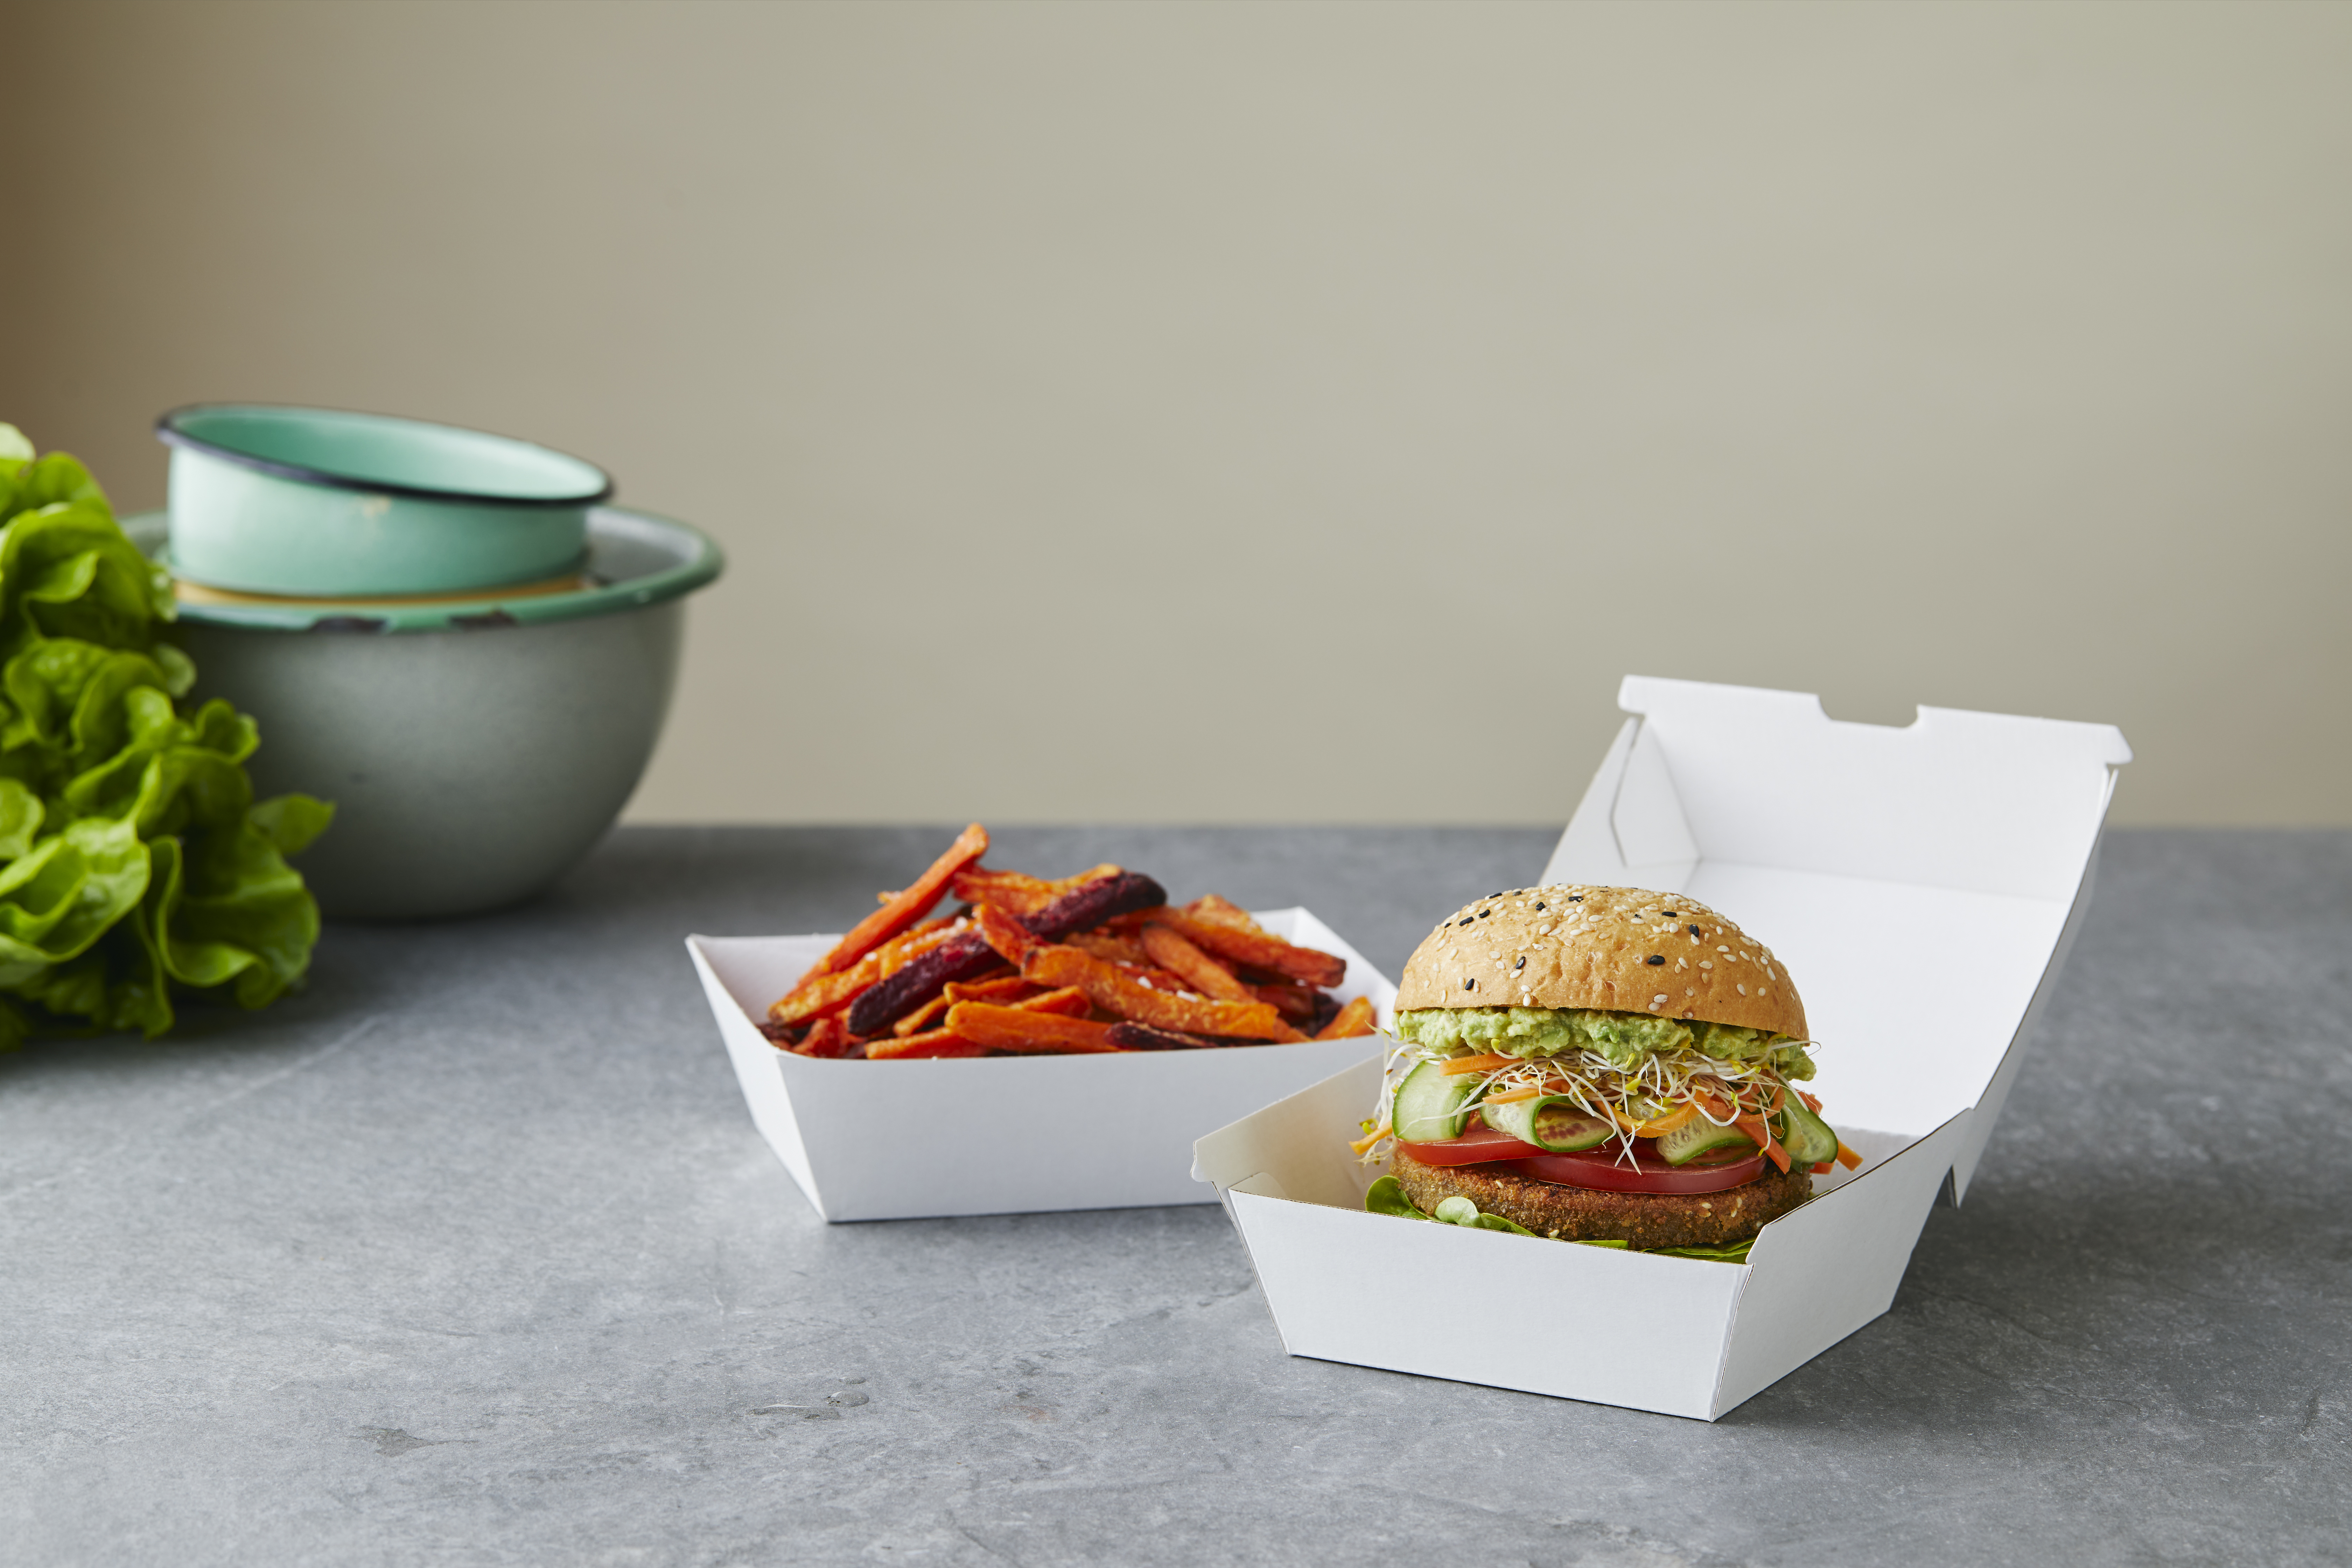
pixel 1586 1213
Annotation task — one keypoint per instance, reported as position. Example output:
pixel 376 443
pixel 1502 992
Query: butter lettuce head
pixel 135 864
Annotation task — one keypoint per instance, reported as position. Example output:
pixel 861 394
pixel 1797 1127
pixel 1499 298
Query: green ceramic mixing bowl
pixel 476 748
pixel 317 501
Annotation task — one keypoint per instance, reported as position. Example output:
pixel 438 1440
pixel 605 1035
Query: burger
pixel 1603 1064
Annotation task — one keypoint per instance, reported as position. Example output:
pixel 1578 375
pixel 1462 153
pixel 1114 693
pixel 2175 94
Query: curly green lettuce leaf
pixel 133 858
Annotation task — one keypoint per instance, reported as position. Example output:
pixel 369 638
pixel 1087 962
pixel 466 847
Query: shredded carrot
pixel 1821 1168
pixel 1756 1127
pixel 1811 1104
pixel 1474 1064
pixel 1667 1124
pixel 1509 1095
pixel 1846 1156
pixel 1360 1144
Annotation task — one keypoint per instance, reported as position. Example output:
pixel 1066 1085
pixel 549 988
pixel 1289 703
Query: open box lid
pixel 1920 884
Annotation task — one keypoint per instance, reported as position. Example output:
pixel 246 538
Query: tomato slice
pixel 1604 1168
pixel 1478 1146
pixel 1647 1173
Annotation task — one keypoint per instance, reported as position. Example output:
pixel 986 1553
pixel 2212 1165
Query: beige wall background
pixel 1284 413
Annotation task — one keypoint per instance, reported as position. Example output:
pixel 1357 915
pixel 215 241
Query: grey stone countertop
pixel 470 1254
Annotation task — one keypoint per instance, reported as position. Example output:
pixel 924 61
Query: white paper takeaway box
pixel 1920 885
pixel 1068 1132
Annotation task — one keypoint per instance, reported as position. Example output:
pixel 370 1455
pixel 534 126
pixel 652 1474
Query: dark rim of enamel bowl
pixel 172 434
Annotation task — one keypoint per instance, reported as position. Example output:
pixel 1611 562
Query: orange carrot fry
pixel 1114 992
pixel 908 906
pixel 1026 1030
pixel 1022 895
pixel 1012 941
pixel 1355 1018
pixel 1169 949
pixel 936 1043
pixel 1257 948
pixel 1846 1156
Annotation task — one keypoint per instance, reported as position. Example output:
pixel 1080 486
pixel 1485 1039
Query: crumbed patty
pixel 1585 1214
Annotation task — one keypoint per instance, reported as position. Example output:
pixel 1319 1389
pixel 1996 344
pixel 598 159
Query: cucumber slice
pixel 1552 1121
pixel 1809 1138
pixel 1432 1105
pixel 1694 1137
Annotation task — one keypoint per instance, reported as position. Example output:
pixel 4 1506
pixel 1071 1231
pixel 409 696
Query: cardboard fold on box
pixel 1032 1133
pixel 1922 886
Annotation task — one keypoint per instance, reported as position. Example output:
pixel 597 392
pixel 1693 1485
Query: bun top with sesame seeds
pixel 1623 950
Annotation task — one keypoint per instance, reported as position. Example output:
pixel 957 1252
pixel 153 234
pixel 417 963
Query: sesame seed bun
pixel 1624 950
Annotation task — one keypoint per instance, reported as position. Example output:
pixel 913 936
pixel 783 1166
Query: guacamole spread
pixel 1622 1039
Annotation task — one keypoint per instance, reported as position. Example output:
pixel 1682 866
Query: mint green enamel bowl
pixel 474 748
pixel 324 503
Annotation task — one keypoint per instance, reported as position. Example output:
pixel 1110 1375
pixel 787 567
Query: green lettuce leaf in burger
pixel 1605 1065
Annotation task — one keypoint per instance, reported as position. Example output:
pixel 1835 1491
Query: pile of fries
pixel 1097 962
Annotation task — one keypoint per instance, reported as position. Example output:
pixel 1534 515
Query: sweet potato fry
pixel 1114 992
pixel 962 956
pixel 1354 1018
pixel 1327 1007
pixel 1005 989
pixel 911 905
pixel 1026 1030
pixel 1004 932
pixel 1021 894
pixel 1169 951
pixel 927 1017
pixel 826 1038
pixel 1085 908
pixel 1117 946
pixel 1313 966
pixel 932 1043
pixel 818 994
pixel 1130 1036
pixel 1294 1002
pixel 1069 1002
pixel 1223 912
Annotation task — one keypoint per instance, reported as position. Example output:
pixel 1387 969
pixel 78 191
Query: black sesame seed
pixel 1576 898
pixel 1540 907
pixel 1471 983
pixel 1654 958
pixel 1468 918
pixel 1693 931
pixel 1522 964
pixel 1483 913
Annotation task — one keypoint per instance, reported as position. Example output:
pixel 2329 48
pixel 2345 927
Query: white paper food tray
pixel 1062 1133
pixel 1920 885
